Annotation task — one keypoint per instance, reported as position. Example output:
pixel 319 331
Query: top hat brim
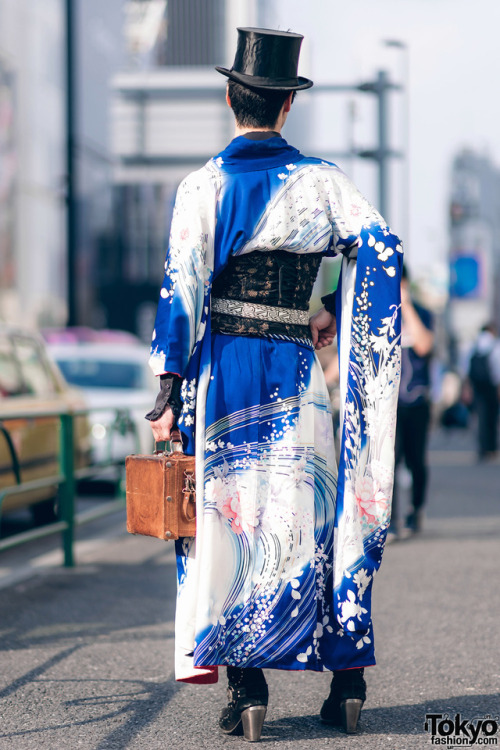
pixel 270 84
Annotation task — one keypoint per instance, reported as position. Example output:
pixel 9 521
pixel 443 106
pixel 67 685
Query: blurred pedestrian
pixel 259 586
pixel 414 408
pixel 454 411
pixel 484 376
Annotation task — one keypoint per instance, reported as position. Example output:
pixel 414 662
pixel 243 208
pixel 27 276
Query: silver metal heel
pixel 351 709
pixel 253 719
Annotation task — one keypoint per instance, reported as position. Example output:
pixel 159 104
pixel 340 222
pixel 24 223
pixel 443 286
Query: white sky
pixel 454 94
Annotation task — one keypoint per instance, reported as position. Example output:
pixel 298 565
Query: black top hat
pixel 267 59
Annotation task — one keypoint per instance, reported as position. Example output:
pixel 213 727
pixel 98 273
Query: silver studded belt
pixel 260 312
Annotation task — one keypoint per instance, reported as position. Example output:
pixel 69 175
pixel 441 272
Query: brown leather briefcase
pixel 161 499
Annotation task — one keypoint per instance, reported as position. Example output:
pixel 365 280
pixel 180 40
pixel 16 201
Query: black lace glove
pixel 329 302
pixel 169 395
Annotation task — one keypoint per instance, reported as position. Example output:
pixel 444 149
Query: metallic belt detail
pixel 260 312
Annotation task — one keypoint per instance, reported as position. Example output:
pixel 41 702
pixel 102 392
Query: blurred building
pixel 474 246
pixel 148 108
pixel 33 168
pixel 32 209
pixel 168 117
pixel 99 50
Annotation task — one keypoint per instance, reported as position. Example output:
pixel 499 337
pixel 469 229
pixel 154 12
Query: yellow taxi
pixel 31 383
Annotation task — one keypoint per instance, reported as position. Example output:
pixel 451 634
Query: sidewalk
pixel 87 655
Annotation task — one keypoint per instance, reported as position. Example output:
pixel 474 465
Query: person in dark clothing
pixel 484 375
pixel 414 405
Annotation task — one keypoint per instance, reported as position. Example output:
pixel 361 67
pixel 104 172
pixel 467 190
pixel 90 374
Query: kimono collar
pixel 245 155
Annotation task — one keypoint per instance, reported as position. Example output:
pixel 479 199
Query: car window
pixel 94 373
pixel 35 373
pixel 10 376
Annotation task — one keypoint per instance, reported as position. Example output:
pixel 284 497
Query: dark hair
pixel 256 108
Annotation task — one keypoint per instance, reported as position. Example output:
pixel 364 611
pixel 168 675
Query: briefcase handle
pixel 175 444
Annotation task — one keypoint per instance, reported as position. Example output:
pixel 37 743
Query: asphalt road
pixel 86 655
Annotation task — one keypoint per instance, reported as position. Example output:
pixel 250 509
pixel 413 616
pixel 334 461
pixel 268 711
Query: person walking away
pixel 414 407
pixel 261 586
pixel 484 376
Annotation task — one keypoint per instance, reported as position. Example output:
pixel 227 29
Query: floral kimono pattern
pixel 280 573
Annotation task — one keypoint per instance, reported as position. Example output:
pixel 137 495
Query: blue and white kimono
pixel 281 570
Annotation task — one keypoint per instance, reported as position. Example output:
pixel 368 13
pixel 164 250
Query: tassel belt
pixel 243 318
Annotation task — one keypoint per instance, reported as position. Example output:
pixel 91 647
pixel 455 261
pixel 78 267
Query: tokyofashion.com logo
pixel 454 731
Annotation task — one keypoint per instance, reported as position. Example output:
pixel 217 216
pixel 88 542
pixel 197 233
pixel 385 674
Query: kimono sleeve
pixel 185 292
pixel 368 311
pixel 354 219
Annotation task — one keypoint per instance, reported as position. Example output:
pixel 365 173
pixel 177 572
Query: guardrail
pixel 66 478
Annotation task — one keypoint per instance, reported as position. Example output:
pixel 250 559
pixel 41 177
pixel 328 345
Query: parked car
pixel 116 381
pixel 29 447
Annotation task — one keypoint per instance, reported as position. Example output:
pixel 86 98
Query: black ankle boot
pixel 347 695
pixel 248 695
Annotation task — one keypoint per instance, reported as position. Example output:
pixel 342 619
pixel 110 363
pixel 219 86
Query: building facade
pixel 32 169
pixel 168 116
pixel 148 108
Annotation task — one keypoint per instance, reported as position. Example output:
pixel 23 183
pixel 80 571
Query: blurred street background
pixel 104 108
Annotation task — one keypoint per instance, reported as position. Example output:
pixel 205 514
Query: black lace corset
pixel 278 279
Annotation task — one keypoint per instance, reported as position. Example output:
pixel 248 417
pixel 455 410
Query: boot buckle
pixel 234 693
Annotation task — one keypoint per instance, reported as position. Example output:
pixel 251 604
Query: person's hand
pixel 323 328
pixel 162 427
pixel 405 294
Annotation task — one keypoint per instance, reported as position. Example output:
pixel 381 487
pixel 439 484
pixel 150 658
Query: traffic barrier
pixel 67 477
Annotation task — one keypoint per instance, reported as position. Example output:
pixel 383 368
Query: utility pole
pixel 71 228
pixel 381 154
